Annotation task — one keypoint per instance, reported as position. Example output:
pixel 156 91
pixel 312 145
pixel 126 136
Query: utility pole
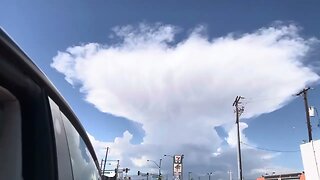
pixel 305 98
pixel 238 112
pixel 105 160
pixel 101 166
pixel 117 169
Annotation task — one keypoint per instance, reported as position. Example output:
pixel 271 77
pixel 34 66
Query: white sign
pixel 177 168
pixel 177 159
pixel 311 111
pixel 310 153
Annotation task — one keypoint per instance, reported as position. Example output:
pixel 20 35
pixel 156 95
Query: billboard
pixel 177 166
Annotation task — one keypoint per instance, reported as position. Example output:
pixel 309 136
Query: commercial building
pixel 291 176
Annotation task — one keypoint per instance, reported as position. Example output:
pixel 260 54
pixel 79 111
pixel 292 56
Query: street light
pixel 209 174
pixel 158 165
pixel 168 155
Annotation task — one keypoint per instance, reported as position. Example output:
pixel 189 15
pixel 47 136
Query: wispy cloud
pixel 179 90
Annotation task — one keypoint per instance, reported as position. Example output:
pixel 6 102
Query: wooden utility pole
pixel 238 112
pixel 305 98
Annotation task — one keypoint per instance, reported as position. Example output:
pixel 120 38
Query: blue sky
pixel 42 29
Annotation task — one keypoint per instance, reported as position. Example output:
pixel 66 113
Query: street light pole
pixel 158 165
pixel 209 174
pixel 160 168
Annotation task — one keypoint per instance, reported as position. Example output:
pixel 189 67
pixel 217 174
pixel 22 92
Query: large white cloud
pixel 179 90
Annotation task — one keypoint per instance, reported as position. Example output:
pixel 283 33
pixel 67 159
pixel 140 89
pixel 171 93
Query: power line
pixel 270 150
pixel 266 98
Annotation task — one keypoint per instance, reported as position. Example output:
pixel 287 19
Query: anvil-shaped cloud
pixel 179 90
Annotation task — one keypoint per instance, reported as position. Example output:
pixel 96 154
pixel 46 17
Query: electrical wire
pixel 270 150
pixel 259 99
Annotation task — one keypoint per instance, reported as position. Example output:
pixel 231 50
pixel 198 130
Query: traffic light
pixel 139 173
pixel 127 169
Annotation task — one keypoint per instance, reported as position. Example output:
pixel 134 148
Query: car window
pixel 63 156
pixel 83 165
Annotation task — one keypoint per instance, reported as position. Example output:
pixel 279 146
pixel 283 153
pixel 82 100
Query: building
pixel 292 176
pixel 310 153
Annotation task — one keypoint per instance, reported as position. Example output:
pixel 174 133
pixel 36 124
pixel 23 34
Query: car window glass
pixel 83 165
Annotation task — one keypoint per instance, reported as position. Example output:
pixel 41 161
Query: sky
pixel 148 78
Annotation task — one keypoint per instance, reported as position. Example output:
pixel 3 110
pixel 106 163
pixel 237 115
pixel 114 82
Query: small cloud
pixel 140 162
pixel 232 138
pixel 218 152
